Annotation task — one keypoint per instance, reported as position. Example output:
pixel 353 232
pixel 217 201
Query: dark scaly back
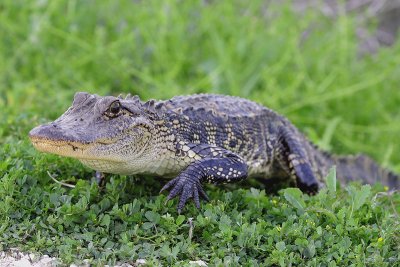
pixel 361 167
pixel 233 123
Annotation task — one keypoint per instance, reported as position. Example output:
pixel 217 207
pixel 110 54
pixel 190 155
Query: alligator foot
pixel 100 178
pixel 187 187
pixel 311 189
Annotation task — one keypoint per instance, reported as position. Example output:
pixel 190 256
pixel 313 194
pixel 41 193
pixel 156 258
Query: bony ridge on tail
pixel 196 139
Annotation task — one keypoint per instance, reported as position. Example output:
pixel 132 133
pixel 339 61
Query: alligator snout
pixel 47 131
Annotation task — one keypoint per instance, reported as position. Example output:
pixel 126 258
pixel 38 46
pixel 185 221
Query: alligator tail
pixel 354 168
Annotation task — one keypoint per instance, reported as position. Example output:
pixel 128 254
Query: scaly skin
pixel 198 138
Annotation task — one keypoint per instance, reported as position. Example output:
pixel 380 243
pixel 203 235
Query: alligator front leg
pixel 230 168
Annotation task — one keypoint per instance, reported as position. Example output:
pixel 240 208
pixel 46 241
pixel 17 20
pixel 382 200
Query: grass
pixel 157 49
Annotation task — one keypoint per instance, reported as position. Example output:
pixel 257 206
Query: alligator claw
pixel 187 188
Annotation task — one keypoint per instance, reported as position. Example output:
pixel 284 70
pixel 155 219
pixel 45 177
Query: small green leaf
pixel 147 225
pixel 280 246
pixel 294 197
pixel 180 219
pixel 319 230
pixel 54 199
pixel 310 251
pixel 105 221
pixel 361 196
pixel 326 212
pixel 331 180
pixel 152 216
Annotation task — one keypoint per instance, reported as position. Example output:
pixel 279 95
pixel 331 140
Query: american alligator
pixel 197 138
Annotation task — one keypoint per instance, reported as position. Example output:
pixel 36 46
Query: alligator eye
pixel 114 109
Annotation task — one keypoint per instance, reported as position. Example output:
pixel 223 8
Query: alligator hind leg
pixel 294 161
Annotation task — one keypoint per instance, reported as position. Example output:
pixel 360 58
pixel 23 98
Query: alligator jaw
pixel 51 139
pixel 62 148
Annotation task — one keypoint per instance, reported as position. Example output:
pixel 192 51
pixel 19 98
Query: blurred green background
pixel 305 65
pixel 311 61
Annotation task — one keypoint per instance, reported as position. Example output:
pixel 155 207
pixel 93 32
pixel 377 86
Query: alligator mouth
pixel 62 148
pixel 72 149
pixel 49 139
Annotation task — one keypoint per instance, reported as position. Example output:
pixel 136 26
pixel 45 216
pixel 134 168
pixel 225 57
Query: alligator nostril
pixel 55 126
pixel 81 119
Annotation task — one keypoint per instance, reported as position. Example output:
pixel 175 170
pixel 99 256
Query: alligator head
pixel 104 133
